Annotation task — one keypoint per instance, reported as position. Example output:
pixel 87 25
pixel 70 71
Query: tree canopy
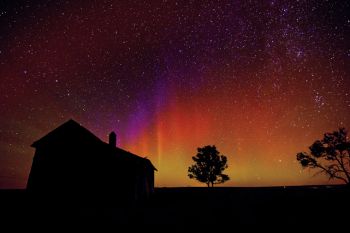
pixel 329 155
pixel 208 167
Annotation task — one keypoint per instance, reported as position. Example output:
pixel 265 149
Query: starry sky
pixel 260 79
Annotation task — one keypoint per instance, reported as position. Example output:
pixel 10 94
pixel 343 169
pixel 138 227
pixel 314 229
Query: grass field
pixel 181 206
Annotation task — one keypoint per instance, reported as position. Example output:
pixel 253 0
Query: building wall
pixel 93 174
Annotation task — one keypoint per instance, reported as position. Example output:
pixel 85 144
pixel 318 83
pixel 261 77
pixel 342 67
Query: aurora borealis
pixel 261 80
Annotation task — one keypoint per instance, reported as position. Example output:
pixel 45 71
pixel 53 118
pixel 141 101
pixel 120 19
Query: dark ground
pixel 180 206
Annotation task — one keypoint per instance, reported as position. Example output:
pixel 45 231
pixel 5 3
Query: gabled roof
pixel 73 132
pixel 70 129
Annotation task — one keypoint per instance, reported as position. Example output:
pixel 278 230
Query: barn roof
pixel 68 130
pixel 73 131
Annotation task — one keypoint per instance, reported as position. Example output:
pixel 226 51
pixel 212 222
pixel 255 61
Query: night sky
pixel 259 79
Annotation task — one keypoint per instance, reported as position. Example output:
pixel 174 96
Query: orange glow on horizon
pixel 260 138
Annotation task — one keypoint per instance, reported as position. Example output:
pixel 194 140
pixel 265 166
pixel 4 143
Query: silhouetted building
pixel 72 162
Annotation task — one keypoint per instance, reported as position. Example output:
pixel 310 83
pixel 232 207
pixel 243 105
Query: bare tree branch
pixel 334 150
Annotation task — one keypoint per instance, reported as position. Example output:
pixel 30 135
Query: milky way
pixel 259 79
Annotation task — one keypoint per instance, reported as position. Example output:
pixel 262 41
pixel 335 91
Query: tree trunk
pixel 344 169
pixel 208 184
pixel 347 176
pixel 212 184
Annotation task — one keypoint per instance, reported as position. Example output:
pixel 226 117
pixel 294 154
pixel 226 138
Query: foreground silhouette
pixel 73 164
pixel 331 156
pixel 220 206
pixel 209 166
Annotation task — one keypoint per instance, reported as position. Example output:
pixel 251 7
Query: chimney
pixel 112 139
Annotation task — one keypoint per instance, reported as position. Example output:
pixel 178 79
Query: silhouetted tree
pixel 330 155
pixel 209 166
